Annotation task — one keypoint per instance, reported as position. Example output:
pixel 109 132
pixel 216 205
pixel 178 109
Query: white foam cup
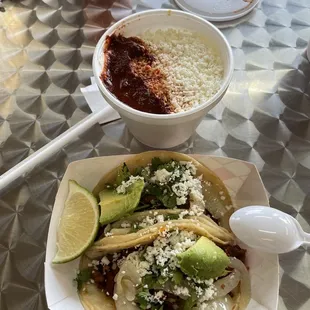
pixel 164 130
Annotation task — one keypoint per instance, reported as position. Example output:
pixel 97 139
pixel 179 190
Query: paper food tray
pixel 246 188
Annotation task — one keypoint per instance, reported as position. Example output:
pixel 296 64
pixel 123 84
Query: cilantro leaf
pixel 169 201
pixel 156 162
pixel 154 190
pixel 190 301
pixel 149 280
pixel 163 194
pixel 172 217
pixel 143 172
pixel 82 277
pixel 138 171
pixel 162 280
pixel 142 298
pixel 170 166
pixel 123 174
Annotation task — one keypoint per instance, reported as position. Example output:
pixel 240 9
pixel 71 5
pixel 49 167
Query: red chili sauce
pixel 130 75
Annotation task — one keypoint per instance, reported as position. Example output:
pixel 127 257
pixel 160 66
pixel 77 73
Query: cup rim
pixel 123 106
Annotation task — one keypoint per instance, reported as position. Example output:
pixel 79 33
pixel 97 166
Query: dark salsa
pixel 130 74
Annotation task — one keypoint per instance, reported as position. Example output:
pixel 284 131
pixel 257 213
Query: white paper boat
pixel 246 188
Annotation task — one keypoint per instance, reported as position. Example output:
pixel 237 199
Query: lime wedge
pixel 78 225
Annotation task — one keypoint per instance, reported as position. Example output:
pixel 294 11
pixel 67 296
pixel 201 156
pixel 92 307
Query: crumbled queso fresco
pixel 177 180
pixel 193 69
pixel 121 189
pixel 185 185
pixel 160 259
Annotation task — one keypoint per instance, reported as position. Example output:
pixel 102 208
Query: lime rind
pixel 67 224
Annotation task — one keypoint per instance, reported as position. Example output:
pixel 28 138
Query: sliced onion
pixel 107 228
pixel 227 284
pixel 120 231
pixel 125 286
pixel 129 289
pixel 245 283
pixel 223 303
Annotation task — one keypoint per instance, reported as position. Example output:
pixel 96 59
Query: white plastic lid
pixel 218 10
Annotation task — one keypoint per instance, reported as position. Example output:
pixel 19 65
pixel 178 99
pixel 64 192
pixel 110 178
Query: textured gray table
pixel 46 50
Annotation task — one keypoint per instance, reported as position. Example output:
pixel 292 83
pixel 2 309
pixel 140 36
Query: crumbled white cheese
pixel 195 210
pixel 181 201
pixel 163 252
pixel 116 256
pixel 175 174
pixel 206 282
pixel 159 297
pixel 181 291
pixel 191 186
pixel 161 176
pixel 115 297
pixel 165 272
pixel 194 70
pixel 95 262
pixel 149 221
pixel 180 189
pixel 207 294
pixel 105 261
pixel 165 249
pixel 190 166
pixel 182 214
pixel 121 189
pixel 199 291
pixel 160 218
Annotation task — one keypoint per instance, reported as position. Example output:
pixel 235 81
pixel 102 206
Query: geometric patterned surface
pixel 46 49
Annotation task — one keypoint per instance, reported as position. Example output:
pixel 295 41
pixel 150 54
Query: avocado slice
pixel 204 260
pixel 114 206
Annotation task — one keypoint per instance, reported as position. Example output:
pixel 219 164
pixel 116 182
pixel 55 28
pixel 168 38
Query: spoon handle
pixel 306 238
pixel 52 147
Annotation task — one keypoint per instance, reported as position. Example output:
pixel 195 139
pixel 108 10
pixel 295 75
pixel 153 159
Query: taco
pixel 164 241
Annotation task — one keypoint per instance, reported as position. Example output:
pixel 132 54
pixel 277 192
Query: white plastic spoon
pixel 268 229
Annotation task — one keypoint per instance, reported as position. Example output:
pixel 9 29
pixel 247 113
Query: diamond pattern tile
pixel 46 52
